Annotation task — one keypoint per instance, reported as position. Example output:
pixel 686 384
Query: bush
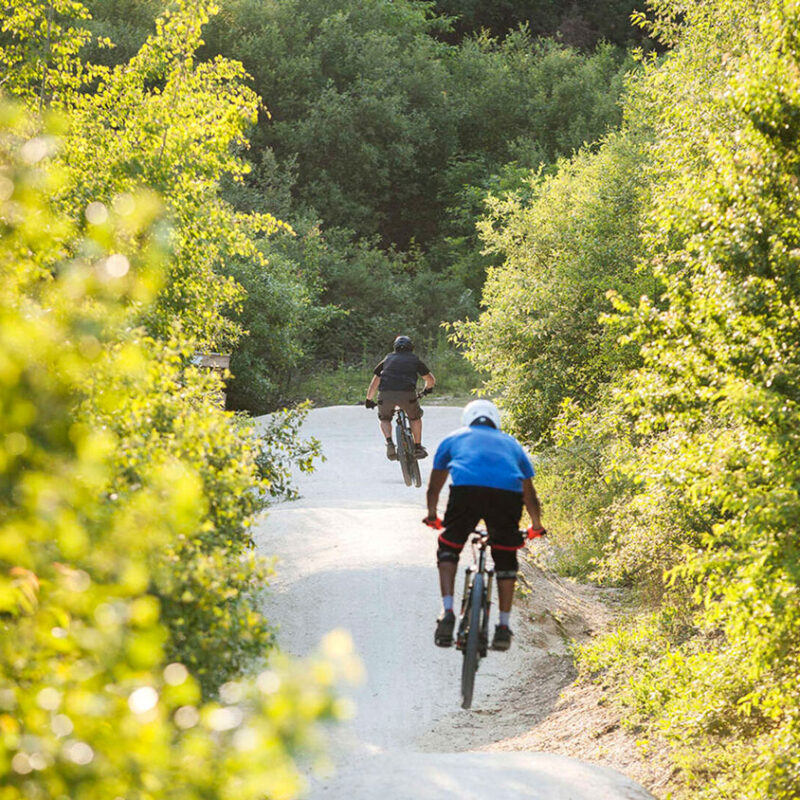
pixel 711 452
pixel 540 339
pixel 115 466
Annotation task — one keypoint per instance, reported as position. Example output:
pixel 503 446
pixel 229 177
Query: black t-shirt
pixel 398 371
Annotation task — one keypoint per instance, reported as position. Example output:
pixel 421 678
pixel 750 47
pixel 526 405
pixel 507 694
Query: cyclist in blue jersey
pixel 492 479
pixel 395 381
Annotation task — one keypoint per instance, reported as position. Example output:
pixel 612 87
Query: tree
pixel 696 437
pixel 578 24
pixel 565 246
pixel 39 50
pixel 90 700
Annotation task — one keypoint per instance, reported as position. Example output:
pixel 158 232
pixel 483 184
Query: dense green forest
pixel 597 203
pixel 376 141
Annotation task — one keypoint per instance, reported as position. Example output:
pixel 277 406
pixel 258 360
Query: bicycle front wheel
pixel 403 453
pixel 471 646
pixel 413 465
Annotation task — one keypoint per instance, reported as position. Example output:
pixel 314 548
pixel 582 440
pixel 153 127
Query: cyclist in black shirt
pixel 395 380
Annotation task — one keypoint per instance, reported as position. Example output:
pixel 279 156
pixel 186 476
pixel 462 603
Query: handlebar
pixel 530 533
pixel 418 396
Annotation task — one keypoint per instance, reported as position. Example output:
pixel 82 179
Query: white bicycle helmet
pixel 484 411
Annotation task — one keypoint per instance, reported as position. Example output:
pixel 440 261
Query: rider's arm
pixel 531 501
pixel 373 385
pixel 430 381
pixel 435 483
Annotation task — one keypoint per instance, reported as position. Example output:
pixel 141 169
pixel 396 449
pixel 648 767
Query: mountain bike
pixel 472 636
pixel 472 633
pixel 404 442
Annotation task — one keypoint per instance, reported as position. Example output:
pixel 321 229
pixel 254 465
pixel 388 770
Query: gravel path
pixel 353 554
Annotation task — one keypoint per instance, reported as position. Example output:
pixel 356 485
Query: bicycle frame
pixel 479 542
pixel 402 420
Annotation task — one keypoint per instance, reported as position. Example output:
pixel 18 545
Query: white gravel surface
pixel 353 554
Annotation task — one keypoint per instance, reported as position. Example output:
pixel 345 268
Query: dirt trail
pixel 354 555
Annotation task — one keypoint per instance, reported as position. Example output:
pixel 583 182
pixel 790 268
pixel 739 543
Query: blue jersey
pixel 483 456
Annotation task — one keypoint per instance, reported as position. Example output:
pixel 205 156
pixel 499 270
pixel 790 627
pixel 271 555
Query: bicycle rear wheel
pixel 403 455
pixel 471 647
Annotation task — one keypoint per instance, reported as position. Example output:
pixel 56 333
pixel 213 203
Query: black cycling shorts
pixel 500 509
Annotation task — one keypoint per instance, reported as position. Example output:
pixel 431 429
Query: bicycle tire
pixel 413 466
pixel 472 645
pixel 402 453
pixel 415 474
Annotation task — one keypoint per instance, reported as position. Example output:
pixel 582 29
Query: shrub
pixel 540 338
pixel 109 445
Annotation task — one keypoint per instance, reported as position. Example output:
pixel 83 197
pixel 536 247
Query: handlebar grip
pixel 536 534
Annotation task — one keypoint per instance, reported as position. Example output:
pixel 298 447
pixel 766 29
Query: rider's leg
pixel 414 412
pixel 506 565
pixel 447 576
pixel 502 515
pixel 505 596
pixel 385 414
pixel 505 593
pixel 459 520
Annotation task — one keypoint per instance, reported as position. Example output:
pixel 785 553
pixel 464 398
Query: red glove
pixel 434 523
pixel 534 533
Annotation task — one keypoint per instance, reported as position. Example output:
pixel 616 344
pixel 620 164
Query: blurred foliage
pixel 208 581
pixel 123 489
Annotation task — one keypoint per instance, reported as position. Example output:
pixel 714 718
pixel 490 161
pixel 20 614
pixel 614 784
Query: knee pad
pixel 505 563
pixel 445 554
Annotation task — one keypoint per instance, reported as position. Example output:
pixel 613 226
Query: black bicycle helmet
pixel 402 343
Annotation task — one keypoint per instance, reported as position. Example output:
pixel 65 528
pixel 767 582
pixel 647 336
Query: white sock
pixel 505 618
pixel 447 602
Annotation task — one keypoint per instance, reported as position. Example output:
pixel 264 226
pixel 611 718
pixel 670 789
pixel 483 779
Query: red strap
pixel 454 545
